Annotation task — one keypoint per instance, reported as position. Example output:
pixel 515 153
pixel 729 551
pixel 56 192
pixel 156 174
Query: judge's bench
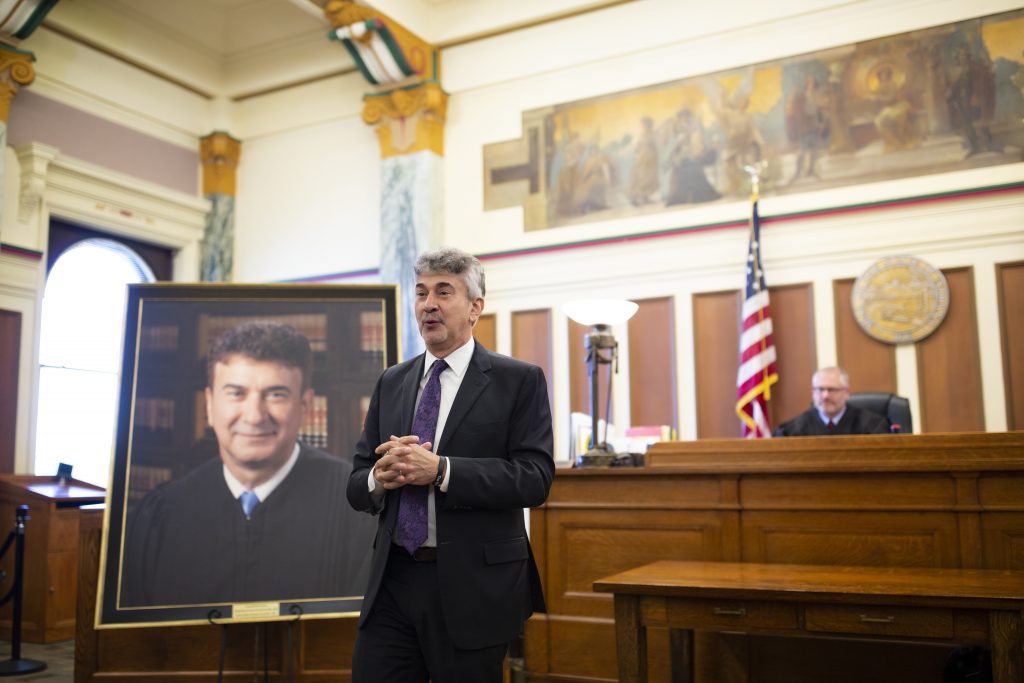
pixel 932 500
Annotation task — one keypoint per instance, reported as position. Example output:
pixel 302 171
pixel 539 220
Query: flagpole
pixel 754 171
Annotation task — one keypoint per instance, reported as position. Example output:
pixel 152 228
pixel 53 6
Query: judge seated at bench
pixel 830 387
pixel 267 520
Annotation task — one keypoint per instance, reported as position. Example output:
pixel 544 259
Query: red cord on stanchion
pixel 16 665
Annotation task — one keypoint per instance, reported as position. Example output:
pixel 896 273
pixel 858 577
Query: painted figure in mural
pixel 971 98
pixel 597 176
pixel 584 174
pixel 744 143
pixel 1018 78
pixel 688 154
pixel 807 125
pixel 567 177
pixel 895 122
pixel 643 180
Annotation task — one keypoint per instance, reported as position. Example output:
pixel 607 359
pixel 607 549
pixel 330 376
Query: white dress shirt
pixel 267 487
pixel 451 379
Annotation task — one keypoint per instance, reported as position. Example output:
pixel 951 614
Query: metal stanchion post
pixel 16 665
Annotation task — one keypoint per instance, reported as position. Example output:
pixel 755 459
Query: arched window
pixel 79 356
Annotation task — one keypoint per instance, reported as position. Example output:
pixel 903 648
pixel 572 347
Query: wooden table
pixel 957 606
pixel 51 552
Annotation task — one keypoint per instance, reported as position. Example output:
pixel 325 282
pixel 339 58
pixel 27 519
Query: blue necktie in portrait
pixel 249 502
pixel 412 512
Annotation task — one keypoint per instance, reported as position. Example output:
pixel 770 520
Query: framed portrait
pixel 240 406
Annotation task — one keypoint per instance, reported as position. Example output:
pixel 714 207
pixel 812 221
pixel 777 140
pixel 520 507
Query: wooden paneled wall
pixel 948 361
pixel 792 309
pixel 10 345
pixel 652 367
pixel 531 341
pixel 870 363
pixel 949 365
pixel 1010 278
pixel 486 331
pixel 716 319
pixel 716 339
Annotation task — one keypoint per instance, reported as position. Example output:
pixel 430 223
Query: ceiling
pixel 239 48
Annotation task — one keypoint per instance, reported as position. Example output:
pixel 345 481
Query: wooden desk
pixel 960 606
pixel 51 552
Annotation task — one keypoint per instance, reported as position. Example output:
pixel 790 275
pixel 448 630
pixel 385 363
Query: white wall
pixel 308 183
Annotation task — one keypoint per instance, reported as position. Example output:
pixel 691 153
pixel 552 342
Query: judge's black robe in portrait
pixel 853 421
pixel 190 543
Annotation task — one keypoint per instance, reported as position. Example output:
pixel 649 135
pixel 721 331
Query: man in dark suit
pixel 830 387
pixel 264 521
pixel 447 594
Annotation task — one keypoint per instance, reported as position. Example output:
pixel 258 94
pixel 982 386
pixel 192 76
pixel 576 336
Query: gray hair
pixel 843 377
pixel 455 262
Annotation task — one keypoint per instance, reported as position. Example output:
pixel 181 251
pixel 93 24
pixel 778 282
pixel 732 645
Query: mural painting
pixel 930 101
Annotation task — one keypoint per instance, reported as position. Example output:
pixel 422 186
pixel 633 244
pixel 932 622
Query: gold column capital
pixel 219 153
pixel 15 70
pixel 422 56
pixel 408 120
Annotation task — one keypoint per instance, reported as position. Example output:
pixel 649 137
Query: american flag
pixel 757 371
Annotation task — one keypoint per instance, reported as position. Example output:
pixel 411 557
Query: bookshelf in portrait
pixel 308 357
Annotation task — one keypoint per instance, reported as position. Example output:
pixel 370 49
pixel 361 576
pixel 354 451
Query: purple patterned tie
pixel 412 512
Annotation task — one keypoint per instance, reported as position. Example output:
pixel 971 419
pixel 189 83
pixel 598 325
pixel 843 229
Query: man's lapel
pixel 472 386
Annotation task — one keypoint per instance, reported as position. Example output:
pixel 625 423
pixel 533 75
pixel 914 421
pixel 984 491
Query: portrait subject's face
pixel 256 409
pixel 445 312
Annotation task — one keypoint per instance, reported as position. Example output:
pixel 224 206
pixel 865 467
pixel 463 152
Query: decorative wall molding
pixel 111 201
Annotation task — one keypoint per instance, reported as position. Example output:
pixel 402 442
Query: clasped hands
pixel 404 460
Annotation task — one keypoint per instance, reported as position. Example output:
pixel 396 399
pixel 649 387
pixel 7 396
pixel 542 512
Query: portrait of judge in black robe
pixel 199 539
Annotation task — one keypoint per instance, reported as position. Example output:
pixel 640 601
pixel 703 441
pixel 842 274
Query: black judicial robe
pixel 190 543
pixel 853 421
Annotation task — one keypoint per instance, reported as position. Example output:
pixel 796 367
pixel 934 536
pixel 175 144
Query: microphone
pixel 895 428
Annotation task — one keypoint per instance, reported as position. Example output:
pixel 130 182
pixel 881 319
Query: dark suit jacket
pixel 854 421
pixel 188 541
pixel 499 442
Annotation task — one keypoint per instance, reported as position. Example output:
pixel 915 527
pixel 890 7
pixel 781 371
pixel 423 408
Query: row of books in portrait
pixel 158 413
pixel 312 325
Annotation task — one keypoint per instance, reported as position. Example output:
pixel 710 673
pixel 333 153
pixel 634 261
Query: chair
pixel 895 408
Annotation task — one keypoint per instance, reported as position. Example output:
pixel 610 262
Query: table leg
pixel 681 655
pixel 1007 646
pixel 630 639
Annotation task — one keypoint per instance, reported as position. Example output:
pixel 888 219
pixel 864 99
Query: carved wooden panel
pixel 597 543
pixel 850 538
pixel 1003 540
pixel 486 331
pixel 1010 279
pixel 716 341
pixel 652 367
pixel 792 310
pixel 583 649
pixel 896 491
pixel 531 341
pixel 870 363
pixel 10 345
pixel 948 364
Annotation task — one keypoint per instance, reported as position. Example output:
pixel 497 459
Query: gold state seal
pixel 900 299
